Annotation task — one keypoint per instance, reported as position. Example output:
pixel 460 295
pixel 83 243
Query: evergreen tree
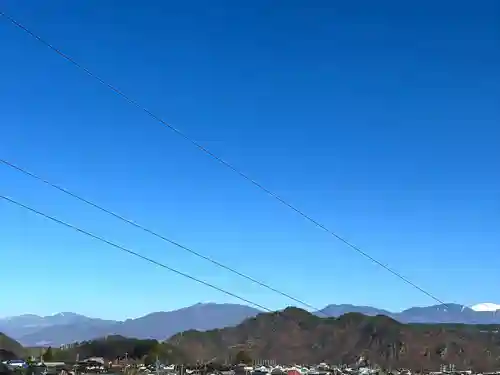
pixel 48 355
pixel 243 357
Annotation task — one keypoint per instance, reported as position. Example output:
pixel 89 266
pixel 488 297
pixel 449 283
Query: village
pixel 98 365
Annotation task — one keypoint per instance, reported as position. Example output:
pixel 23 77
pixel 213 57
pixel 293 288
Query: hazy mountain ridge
pixel 157 325
pixel 68 327
pixel 449 313
pixel 26 325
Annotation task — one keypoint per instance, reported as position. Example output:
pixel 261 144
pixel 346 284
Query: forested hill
pixel 115 347
pixel 9 348
pixel 305 338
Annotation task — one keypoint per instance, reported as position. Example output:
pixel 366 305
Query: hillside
pixel 110 348
pixel 9 348
pixel 113 347
pixel 379 339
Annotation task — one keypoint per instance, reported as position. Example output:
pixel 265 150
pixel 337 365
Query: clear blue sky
pixel 380 119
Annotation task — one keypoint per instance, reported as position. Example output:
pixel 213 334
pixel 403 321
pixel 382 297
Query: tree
pixel 150 359
pixel 48 355
pixel 243 357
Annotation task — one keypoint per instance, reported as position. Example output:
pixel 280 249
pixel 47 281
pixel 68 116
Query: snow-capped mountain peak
pixel 486 307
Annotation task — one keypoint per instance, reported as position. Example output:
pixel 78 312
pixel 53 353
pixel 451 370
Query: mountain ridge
pixel 443 313
pixel 155 325
pixel 350 338
pixel 68 327
pixel 486 306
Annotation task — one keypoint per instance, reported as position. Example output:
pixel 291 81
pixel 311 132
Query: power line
pixel 217 158
pixel 147 259
pixel 131 252
pixel 156 234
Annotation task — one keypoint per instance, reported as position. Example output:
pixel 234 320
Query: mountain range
pixel 65 328
pixel 298 336
pixel 484 313
pixel 68 327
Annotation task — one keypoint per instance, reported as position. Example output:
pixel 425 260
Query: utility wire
pixel 131 252
pixel 156 234
pixel 147 259
pixel 217 158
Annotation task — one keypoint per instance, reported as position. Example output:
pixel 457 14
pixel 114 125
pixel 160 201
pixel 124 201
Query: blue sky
pixel 380 120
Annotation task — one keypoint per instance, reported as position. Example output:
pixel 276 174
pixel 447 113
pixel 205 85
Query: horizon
pixel 241 304
pixel 380 121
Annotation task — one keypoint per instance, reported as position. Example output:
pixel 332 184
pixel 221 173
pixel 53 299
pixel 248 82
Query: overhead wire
pixel 219 159
pixel 155 234
pixel 148 259
pixel 131 252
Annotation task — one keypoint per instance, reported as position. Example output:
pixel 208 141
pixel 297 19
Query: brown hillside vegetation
pixel 9 348
pixel 296 336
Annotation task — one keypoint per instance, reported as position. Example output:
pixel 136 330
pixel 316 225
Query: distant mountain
pixel 338 310
pixel 202 317
pixel 446 313
pixel 449 313
pixel 30 325
pixel 64 328
pixel 57 335
pixel 488 306
pixel 31 320
pixel 158 325
pixel 296 336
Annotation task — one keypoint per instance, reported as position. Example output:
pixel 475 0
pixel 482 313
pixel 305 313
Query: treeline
pixel 114 348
